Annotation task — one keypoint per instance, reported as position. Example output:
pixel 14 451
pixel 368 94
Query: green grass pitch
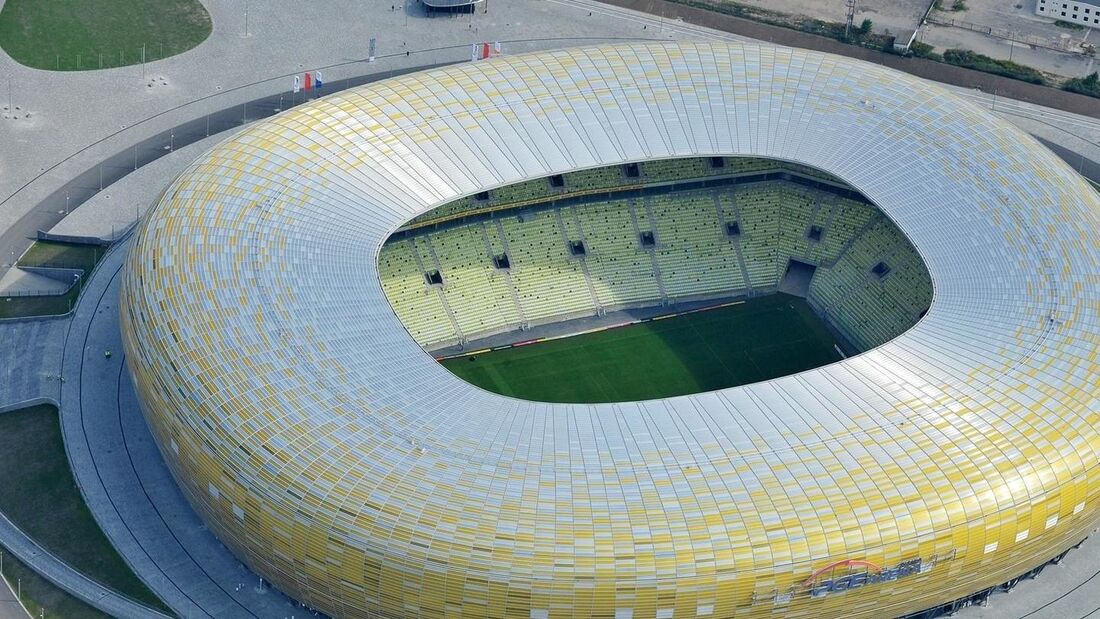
pixel 73 35
pixel 762 338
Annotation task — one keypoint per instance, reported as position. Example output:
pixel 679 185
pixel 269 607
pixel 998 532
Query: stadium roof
pixel 343 463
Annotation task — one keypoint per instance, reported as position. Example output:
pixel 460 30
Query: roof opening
pixel 583 316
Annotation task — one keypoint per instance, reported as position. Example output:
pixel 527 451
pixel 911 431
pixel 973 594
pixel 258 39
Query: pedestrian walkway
pixel 10 608
pixel 30 358
pixel 59 573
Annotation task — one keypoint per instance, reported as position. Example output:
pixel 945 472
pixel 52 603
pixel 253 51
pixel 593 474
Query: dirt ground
pixel 897 16
pixel 1058 63
pixel 1010 30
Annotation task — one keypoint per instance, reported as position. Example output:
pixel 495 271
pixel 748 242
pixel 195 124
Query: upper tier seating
pixel 692 256
pixel 606 178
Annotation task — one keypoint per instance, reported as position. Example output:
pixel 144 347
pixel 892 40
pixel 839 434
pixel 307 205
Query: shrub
pixel 1068 25
pixel 924 50
pixel 972 60
pixel 1084 85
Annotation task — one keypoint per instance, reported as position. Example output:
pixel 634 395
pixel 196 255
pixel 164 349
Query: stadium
pixel 919 425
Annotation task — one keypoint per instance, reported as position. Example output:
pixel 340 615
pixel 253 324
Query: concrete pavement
pixel 30 358
pixel 10 608
pixel 111 212
pixel 1069 590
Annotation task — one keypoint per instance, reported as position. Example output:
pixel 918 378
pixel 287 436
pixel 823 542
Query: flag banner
pixel 370 49
pixel 307 84
pixel 297 84
pixel 481 51
pixel 317 79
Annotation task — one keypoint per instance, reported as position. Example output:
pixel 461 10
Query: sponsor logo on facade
pixel 868 574
pixel 847 574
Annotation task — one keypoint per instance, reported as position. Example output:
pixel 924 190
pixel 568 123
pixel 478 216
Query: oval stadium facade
pixel 331 453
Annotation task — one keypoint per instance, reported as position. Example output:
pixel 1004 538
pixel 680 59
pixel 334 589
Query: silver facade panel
pixel 918 447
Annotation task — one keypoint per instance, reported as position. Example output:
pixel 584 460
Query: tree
pixel 865 28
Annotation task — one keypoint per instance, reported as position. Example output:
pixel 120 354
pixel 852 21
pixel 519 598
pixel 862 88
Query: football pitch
pixel 756 340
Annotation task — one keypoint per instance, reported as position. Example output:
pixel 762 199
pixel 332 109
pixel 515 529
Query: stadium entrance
pixel 453 6
pixel 652 279
pixel 796 280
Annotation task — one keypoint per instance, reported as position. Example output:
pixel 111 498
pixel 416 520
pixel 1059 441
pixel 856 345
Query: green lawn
pixel 39 495
pixel 760 339
pixel 18 307
pixel 51 254
pixel 67 255
pixel 73 35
